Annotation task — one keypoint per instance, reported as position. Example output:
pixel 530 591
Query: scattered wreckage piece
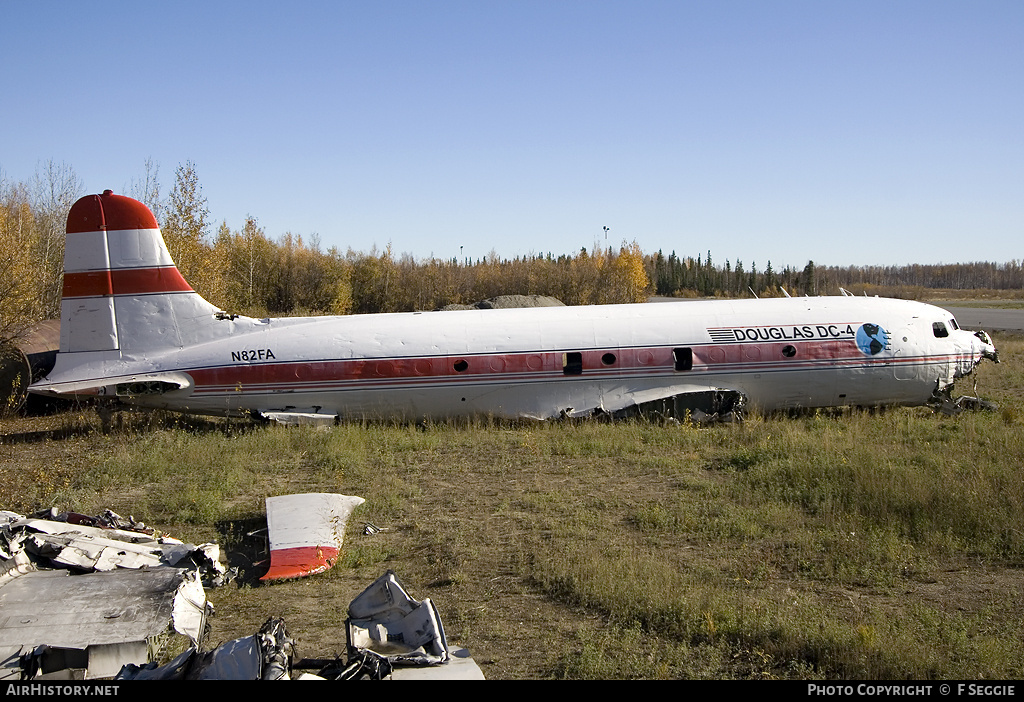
pixel 125 619
pixel 58 625
pixel 390 637
pixel 367 665
pixel 91 548
pixel 384 619
pixel 107 519
pixel 306 532
pixel 81 596
pixel 943 401
pixel 394 637
pixel 70 540
pixel 361 665
pixel 266 655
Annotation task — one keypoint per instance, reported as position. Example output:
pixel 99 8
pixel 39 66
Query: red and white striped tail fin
pixel 122 292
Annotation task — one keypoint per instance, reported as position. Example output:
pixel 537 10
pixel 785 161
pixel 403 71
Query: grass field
pixel 883 544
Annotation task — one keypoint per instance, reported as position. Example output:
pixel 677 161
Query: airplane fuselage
pixel 133 328
pixel 779 353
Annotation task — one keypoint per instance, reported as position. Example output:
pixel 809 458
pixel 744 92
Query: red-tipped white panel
pixel 306 532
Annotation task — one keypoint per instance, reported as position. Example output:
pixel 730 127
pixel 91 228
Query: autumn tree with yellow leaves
pixel 21 296
pixel 185 228
pixel 33 219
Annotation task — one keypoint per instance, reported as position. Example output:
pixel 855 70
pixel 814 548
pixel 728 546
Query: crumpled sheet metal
pixel 384 607
pixel 81 596
pixel 306 532
pixel 386 620
pixel 75 548
pixel 75 544
pixel 97 622
pixel 266 655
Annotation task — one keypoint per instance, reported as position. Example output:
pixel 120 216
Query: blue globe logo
pixel 872 339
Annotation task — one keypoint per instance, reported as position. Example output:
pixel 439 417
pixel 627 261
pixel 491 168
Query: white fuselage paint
pixel 133 328
pixel 407 365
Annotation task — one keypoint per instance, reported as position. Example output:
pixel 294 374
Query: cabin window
pixel 460 365
pixel 789 351
pixel 572 363
pixel 939 330
pixel 683 359
pixel 608 359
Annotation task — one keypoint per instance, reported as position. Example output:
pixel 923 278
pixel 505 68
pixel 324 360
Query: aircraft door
pixel 906 354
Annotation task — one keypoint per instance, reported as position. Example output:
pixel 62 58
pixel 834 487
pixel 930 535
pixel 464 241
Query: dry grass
pixel 875 545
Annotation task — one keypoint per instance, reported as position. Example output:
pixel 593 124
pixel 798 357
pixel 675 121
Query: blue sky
pixel 840 132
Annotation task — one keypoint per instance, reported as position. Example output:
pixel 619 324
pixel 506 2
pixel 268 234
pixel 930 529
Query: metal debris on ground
pixel 943 401
pixel 84 595
pixel 386 620
pixel 103 543
pixel 266 655
pixel 306 532
pixel 60 626
pixel 392 636
pixel 93 597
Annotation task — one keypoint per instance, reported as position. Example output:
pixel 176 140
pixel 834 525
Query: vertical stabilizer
pixel 122 292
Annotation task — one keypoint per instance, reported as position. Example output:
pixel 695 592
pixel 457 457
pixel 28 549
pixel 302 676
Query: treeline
pixel 686 277
pixel 246 271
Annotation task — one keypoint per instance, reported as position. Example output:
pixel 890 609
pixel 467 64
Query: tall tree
pixel 20 292
pixel 807 279
pixel 147 190
pixel 55 188
pixel 186 224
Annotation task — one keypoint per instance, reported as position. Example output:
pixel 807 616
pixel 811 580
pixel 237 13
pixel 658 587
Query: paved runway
pixel 990 319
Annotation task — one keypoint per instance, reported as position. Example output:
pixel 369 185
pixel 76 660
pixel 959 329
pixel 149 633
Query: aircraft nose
pixel 988 349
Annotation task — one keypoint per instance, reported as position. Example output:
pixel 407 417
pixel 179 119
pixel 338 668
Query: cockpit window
pixel 939 330
pixel 952 323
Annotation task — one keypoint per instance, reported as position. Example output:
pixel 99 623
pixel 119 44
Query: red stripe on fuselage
pixel 125 281
pixel 635 362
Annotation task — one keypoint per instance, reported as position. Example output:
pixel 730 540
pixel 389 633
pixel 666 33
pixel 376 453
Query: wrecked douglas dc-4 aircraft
pixel 133 329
